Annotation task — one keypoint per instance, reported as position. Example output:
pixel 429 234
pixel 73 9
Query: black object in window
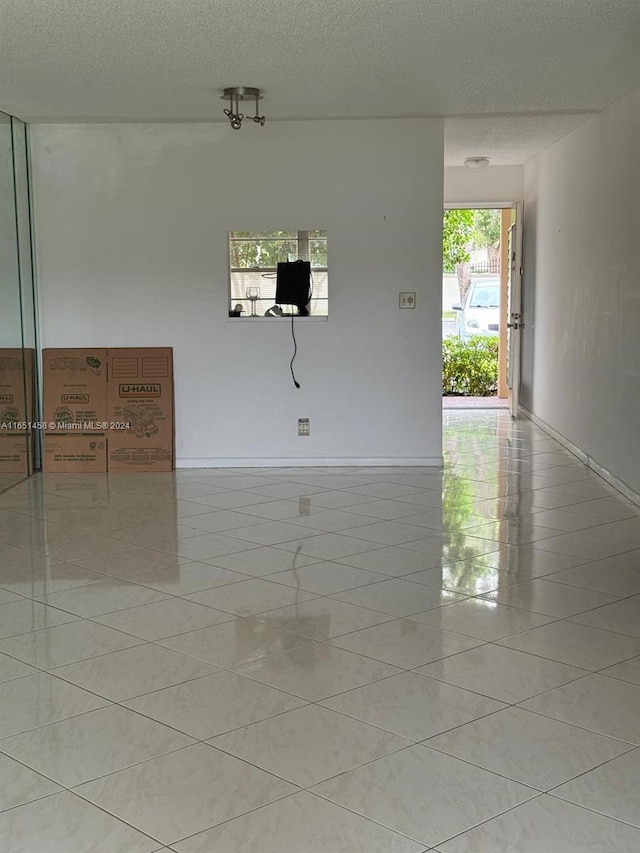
pixel 293 285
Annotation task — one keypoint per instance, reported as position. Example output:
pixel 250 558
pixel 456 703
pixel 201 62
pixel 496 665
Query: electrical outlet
pixel 407 300
pixel 304 426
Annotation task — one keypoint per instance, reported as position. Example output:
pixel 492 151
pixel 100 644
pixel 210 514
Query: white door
pixel 514 312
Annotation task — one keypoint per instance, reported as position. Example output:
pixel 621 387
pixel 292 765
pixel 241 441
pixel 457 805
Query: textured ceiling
pixel 539 66
pixel 506 139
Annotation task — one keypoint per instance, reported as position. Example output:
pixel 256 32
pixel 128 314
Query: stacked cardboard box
pixel 108 410
pixel 16 410
pixel 74 410
pixel 140 409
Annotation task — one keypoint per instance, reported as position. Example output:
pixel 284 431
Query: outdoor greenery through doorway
pixel 471 244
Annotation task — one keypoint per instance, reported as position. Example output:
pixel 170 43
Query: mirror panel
pixel 17 391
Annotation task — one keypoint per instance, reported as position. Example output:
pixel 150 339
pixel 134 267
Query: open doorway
pixel 474 307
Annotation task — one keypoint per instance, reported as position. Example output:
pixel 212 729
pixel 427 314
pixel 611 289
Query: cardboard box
pixel 75 410
pixel 14 454
pixel 140 409
pixel 75 453
pixel 17 390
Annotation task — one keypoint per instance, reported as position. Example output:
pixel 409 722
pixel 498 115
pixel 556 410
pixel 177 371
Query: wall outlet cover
pixel 304 426
pixel 407 300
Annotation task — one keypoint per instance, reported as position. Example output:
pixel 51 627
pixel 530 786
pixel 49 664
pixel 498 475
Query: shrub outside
pixel 470 367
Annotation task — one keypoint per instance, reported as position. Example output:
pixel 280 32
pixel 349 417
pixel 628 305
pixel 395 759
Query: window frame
pixel 303 239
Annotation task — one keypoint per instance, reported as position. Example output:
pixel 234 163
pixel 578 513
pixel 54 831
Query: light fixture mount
pixel 476 162
pixel 236 94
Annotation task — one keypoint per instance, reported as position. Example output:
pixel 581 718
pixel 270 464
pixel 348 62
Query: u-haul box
pixel 75 410
pixel 17 386
pixel 140 409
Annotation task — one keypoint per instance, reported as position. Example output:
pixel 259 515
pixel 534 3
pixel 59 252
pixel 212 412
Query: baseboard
pixel 314 462
pixel 587 460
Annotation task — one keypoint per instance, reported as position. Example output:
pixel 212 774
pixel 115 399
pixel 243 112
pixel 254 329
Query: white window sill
pixel 263 319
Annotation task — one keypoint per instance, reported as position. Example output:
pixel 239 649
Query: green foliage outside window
pixel 264 249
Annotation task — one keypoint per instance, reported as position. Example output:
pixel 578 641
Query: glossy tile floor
pixel 323 660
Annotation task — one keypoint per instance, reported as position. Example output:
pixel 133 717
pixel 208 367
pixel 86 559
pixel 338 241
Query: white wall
pixel 581 372
pixel 131 224
pixel 499 185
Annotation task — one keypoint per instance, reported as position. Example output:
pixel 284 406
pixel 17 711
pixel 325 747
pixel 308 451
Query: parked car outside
pixel 480 312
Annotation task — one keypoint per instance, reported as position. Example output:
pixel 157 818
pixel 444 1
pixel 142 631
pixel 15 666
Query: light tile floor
pixel 324 660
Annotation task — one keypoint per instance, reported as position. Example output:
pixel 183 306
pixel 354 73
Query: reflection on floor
pixel 316 660
pixel 9 480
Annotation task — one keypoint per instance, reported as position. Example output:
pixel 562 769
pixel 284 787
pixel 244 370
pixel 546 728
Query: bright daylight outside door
pixel 514 312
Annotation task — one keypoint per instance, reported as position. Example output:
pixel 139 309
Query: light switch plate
pixel 407 300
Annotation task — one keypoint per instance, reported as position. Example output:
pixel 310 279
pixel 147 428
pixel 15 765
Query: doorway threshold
pixel 475 402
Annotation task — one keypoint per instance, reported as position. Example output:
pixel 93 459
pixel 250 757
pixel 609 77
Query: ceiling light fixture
pixel 476 162
pixel 236 94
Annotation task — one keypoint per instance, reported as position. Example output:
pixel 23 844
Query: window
pixel 253 263
pixel 485 295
